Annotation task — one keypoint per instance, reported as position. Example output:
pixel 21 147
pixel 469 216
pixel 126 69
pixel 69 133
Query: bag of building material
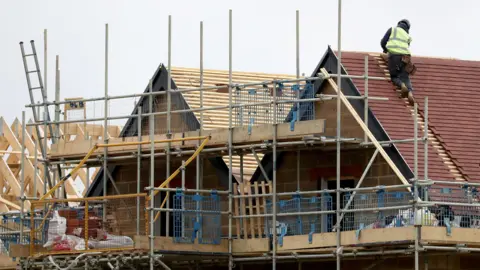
pixel 407 218
pixel 281 228
pixel 57 227
pixel 113 241
pixel 426 218
pixel 67 243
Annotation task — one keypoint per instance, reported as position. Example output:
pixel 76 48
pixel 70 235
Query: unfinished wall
pixel 180 122
pixel 328 110
pixel 125 177
pixel 318 164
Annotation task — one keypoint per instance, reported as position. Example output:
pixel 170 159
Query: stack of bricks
pixel 76 222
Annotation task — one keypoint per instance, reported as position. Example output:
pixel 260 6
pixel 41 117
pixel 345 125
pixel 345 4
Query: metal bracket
pixel 448 226
pixel 250 124
pixel 310 234
pixel 294 119
pixel 357 232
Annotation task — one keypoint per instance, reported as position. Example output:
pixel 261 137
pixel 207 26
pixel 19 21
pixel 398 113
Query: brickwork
pixel 328 110
pixel 178 120
pixel 315 164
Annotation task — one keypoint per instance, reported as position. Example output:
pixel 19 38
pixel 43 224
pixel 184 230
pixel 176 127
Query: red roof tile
pixel 453 106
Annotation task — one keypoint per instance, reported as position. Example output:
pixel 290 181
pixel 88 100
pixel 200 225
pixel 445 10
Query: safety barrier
pixel 10 227
pixel 300 224
pixel 262 111
pixel 371 210
pixel 196 216
pixel 98 224
pixel 454 206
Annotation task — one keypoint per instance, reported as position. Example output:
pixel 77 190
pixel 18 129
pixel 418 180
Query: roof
pixel 454 127
pixel 159 83
pixel 329 62
pixel 190 78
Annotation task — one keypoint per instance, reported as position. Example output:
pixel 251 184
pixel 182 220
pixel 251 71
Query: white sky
pixel 263 38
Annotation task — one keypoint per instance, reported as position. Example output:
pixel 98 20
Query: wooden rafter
pixel 10 155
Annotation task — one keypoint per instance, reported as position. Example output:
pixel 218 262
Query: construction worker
pixel 396 43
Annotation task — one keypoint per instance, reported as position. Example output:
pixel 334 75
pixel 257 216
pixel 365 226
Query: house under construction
pixel 221 169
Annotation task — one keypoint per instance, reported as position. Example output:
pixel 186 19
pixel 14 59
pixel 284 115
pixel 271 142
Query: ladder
pixel 31 89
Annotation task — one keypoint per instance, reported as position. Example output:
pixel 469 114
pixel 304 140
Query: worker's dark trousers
pixel 398 74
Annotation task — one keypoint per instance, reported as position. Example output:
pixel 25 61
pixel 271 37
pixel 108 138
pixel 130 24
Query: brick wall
pixel 315 164
pixel 178 122
pixel 328 110
pixel 126 181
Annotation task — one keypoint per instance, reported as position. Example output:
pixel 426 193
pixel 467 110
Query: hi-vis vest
pixel 399 41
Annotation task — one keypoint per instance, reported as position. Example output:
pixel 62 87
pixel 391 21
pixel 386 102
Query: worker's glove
pixel 411 69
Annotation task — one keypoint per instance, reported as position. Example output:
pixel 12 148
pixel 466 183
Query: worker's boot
pixel 411 100
pixel 404 90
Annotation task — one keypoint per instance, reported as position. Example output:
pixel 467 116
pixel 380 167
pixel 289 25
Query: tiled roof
pixel 190 78
pixel 454 128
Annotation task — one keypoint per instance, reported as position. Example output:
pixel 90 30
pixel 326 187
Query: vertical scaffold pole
pixel 22 180
pixel 425 145
pixel 87 175
pixel 105 122
pixel 230 142
pixel 169 119
pixel 35 144
pixel 56 175
pixel 45 107
pixel 139 163
pixel 201 75
pixel 57 96
pixel 298 91
pixel 415 179
pixel 274 178
pixel 182 169
pixel 365 112
pixel 198 160
pixel 151 125
pixel 339 104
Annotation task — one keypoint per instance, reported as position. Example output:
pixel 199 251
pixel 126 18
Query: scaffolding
pixel 256 211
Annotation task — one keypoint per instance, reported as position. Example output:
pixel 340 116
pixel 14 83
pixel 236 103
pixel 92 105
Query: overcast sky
pixel 263 38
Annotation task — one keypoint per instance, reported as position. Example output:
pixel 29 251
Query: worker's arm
pixel 384 40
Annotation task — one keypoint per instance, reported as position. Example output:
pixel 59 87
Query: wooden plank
pixel 15 144
pixel 10 204
pixel 257 204
pixel 29 144
pixel 348 238
pixel 237 220
pixel 255 245
pixel 242 205
pixel 167 244
pixel 264 200
pixel 438 235
pixel 6 262
pixel 19 251
pixel 365 128
pixel 219 137
pixel 12 180
pixel 250 208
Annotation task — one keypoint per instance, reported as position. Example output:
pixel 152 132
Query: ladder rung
pixel 35 88
pixel 32 54
pixel 32 71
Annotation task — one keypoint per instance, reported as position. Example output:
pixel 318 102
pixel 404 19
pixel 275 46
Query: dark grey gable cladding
pixel 329 62
pixel 159 83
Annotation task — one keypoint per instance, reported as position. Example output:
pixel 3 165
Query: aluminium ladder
pixel 40 88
